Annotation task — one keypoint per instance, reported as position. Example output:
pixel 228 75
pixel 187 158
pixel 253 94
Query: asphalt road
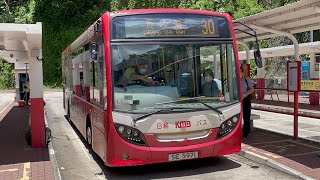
pixel 75 161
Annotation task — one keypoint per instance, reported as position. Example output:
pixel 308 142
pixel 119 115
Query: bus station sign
pixel 293 75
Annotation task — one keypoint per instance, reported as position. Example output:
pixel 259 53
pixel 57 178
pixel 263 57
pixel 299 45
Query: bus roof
pixel 167 10
pixel 88 33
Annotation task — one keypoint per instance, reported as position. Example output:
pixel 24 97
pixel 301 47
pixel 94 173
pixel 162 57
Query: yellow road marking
pixel 25 171
pixel 8 170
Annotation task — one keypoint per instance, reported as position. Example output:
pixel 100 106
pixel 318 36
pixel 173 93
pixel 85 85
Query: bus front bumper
pixel 127 154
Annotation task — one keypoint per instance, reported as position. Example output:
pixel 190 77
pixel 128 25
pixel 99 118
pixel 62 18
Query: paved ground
pixel 302 155
pixel 17 159
pixel 75 161
pixel 309 128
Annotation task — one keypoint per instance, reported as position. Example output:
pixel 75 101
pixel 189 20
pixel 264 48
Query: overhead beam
pixel 297 29
pixel 14 54
pixel 305 48
pixel 283 33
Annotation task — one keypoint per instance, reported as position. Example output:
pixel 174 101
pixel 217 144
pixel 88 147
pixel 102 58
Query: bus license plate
pixel 182 156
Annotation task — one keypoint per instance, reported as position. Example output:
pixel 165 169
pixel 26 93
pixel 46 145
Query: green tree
pixel 24 14
pixel 6 75
pixel 62 22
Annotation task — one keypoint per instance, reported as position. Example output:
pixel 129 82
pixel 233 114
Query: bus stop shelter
pixel 302 16
pixel 21 44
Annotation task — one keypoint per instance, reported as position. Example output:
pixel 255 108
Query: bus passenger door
pixel 97 94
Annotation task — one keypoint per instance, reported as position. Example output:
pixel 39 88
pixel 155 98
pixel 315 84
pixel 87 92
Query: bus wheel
pixel 89 135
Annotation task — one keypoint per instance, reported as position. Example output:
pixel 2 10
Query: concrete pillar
pixel 260 81
pixel 86 79
pixel 314 75
pixel 76 79
pixel 36 99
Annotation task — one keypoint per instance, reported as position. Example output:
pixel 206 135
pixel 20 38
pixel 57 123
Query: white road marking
pixel 8 170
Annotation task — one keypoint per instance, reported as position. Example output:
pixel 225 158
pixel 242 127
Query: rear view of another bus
pixel 175 86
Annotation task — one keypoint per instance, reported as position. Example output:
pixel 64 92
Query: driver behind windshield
pixel 137 72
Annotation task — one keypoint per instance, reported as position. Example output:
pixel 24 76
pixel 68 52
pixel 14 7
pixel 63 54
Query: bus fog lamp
pixel 125 156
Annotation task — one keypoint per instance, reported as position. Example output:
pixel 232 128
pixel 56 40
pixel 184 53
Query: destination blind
pixel 169 25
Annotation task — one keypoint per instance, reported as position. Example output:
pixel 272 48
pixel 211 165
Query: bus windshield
pixel 147 77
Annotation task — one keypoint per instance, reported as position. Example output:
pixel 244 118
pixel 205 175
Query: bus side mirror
pixel 94 51
pixel 257 58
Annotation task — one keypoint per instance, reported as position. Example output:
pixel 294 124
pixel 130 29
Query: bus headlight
pixel 121 129
pixel 227 126
pixel 135 133
pixel 130 134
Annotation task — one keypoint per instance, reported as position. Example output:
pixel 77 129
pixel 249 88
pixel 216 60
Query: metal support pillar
pixel 296 58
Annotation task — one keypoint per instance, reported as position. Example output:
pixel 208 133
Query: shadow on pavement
pixel 300 151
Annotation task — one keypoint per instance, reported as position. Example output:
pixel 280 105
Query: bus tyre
pixel 89 135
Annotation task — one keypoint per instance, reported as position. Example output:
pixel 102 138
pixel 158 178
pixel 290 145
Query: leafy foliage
pixel 62 22
pixel 6 75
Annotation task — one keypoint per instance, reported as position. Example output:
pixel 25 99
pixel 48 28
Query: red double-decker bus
pixel 155 85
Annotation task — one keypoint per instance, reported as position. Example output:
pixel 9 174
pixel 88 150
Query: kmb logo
pixel 183 124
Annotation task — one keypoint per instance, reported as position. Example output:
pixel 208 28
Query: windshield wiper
pixel 210 107
pixel 149 114
pixel 196 99
pixel 169 109
pixel 181 100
